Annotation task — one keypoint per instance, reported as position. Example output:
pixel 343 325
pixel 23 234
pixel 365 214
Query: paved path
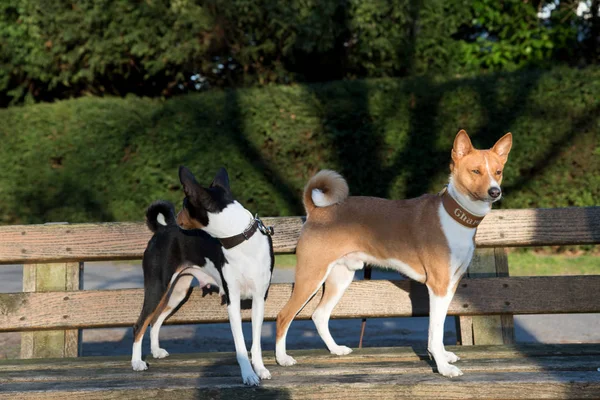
pixel 217 337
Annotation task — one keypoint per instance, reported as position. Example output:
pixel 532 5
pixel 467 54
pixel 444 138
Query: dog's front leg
pixel 235 320
pixel 258 314
pixel 438 308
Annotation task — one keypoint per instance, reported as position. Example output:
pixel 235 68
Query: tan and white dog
pixel 429 239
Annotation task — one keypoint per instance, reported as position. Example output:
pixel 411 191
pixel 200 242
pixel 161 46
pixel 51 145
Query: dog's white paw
pixel 285 360
pixel 263 373
pixel 139 365
pixel 449 371
pixel 250 379
pixel 451 357
pixel 160 353
pixel 341 350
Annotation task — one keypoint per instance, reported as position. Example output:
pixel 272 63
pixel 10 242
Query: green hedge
pixel 106 159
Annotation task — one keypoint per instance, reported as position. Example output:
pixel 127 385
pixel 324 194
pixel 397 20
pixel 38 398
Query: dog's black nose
pixel 494 192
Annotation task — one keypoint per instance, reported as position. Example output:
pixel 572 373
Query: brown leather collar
pixel 458 212
pixel 256 224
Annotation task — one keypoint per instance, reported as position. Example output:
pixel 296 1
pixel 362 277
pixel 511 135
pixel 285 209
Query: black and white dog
pixel 221 244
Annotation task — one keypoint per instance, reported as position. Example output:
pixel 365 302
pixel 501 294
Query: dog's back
pixel 172 247
pixel 171 260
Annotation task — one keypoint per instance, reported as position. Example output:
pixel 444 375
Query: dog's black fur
pixel 199 201
pixel 178 249
pixel 170 248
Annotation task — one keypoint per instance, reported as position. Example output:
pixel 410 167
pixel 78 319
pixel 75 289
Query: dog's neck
pixel 234 219
pixel 477 207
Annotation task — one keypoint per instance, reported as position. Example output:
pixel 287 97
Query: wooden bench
pixel 51 311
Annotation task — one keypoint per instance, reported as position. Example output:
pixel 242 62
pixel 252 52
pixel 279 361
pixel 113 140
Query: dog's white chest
pixel 248 268
pixel 460 242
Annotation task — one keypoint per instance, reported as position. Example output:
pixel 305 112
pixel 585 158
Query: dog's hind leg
pixel 336 284
pixel 138 334
pixel 176 294
pixel 152 297
pixel 308 281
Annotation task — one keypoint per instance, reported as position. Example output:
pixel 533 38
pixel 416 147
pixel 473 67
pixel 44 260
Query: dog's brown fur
pixel 408 231
pixel 372 226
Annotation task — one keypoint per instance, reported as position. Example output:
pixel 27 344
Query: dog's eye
pixel 498 172
pixel 476 172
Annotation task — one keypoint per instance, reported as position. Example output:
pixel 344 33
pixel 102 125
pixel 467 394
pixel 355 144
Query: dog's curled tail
pixel 324 189
pixel 159 215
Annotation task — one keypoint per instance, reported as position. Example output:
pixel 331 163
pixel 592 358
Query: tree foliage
pixel 58 48
pixel 53 49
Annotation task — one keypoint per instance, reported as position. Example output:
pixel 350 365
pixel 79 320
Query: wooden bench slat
pixel 322 356
pixel 314 367
pixel 103 241
pixel 549 385
pixel 379 298
pixel 540 227
pixel 127 240
pixel 517 371
pixel 339 382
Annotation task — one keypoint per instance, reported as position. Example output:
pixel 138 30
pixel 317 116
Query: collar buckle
pixel 265 230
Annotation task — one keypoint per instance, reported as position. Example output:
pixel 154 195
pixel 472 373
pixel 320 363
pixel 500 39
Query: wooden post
pixel 492 329
pixel 50 278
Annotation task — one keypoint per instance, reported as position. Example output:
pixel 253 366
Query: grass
pixel 520 263
pixel 285 260
pixel 534 264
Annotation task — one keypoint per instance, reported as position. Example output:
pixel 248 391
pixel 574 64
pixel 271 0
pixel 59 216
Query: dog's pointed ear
pixel 462 145
pixel 502 146
pixel 221 179
pixel 192 188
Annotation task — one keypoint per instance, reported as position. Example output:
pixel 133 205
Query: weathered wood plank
pixel 313 357
pixel 74 281
pixel 490 329
pixel 468 327
pixel 29 285
pixel 318 366
pixel 127 240
pixel 464 330
pixel 507 321
pixel 47 278
pixel 537 385
pixel 525 371
pixel 540 227
pixel 477 296
pixel 104 241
